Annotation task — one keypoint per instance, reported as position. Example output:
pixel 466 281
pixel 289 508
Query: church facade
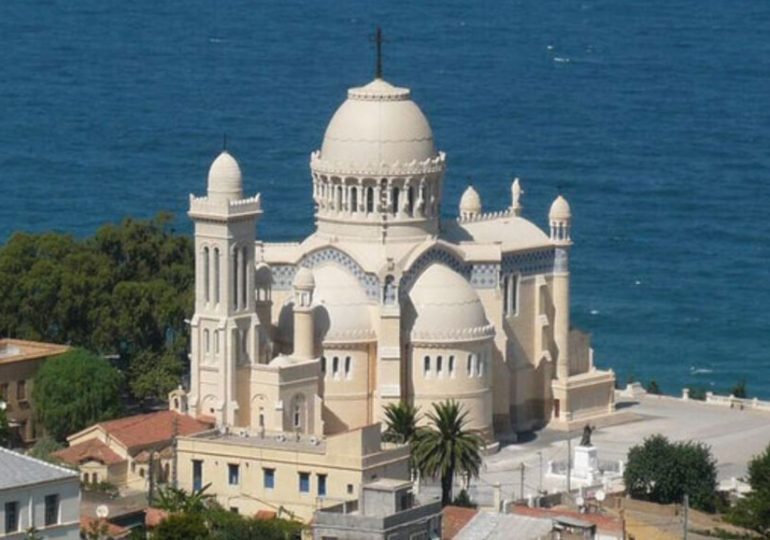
pixel 385 301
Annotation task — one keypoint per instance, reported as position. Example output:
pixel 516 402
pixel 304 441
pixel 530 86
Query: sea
pixel 652 118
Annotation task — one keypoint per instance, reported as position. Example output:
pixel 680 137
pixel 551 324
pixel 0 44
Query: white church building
pixel 385 301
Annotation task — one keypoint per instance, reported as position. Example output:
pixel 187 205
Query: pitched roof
pixel 91 450
pixel 143 430
pixel 454 519
pixel 18 470
pixel 602 522
pixel 494 526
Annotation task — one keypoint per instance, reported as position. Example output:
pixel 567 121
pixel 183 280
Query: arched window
pixel 369 200
pixel 410 201
pixel 451 366
pixel 440 366
pixel 394 200
pixel 244 277
pixel 207 341
pixel 347 367
pixel 216 275
pixel 298 412
pixel 338 200
pixel 335 366
pixel 354 199
pixel 389 291
pixel 235 278
pixel 206 277
pixel 216 341
pixel 426 366
pixel 470 365
pixel 323 365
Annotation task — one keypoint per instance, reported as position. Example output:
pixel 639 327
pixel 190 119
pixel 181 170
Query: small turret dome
pixel 225 180
pixel 304 279
pixel 560 209
pixel 470 202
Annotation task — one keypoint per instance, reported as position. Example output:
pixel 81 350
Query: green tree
pixel 753 511
pixel 125 291
pixel 739 390
pixel 183 526
pixel 400 423
pixel 175 500
pixel 446 447
pixel 44 447
pixel 74 391
pixel 653 388
pixel 663 472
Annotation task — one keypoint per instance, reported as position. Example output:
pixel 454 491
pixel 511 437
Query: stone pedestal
pixel 586 463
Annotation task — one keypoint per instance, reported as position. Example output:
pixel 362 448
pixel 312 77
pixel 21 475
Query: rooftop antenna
pixel 224 142
pixel 378 45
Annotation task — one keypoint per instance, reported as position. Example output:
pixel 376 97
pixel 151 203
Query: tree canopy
pixel 124 291
pixel 663 472
pixel 446 446
pixel 75 390
pixel 753 511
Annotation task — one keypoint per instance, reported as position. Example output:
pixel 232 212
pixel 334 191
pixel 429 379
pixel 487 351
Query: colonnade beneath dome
pixel 401 197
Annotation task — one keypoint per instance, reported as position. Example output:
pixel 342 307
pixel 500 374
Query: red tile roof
pixel 91 450
pixel 87 524
pixel 265 515
pixel 454 519
pixel 143 430
pixel 602 522
pixel 153 517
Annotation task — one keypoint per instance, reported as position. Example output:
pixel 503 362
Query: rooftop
pixel 17 470
pixel 268 439
pixel 143 430
pixel 18 350
pixel 91 450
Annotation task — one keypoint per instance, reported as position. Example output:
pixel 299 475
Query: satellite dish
pixel 601 495
pixel 2 405
pixel 102 511
pixel 580 501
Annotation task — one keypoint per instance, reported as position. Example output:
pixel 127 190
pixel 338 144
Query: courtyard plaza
pixel 734 435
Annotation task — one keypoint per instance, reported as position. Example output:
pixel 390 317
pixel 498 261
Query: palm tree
pixel 445 447
pixel 177 500
pixel 400 422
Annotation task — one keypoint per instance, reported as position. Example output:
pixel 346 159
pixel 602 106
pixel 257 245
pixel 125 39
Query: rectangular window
pixel 322 485
pixel 426 367
pixel 304 482
pixel 335 366
pixel 440 366
pixel 197 474
pixel 234 509
pixel 350 489
pixel 268 481
pixel 514 294
pixel 451 366
pixel 51 510
pixel 233 474
pixel 21 391
pixel 347 367
pixel 11 517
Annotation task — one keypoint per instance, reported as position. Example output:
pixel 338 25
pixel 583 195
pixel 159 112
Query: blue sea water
pixel 652 117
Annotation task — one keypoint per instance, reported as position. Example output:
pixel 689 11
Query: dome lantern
pixel 225 181
pixel 560 218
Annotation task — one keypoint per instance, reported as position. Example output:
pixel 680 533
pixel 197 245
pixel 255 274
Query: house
pixel 119 451
pixel 19 362
pixel 37 494
pixel 385 509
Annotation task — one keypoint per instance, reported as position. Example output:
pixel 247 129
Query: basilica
pixel 386 301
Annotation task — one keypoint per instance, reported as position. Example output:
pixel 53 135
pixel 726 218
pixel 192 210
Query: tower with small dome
pixel 386 301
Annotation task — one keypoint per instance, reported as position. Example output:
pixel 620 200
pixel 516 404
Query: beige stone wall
pixel 347 460
pixel 347 387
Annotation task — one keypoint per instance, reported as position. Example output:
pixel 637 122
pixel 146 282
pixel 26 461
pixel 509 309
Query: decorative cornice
pixel 451 336
pixel 428 166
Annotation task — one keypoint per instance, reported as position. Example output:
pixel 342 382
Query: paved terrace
pixel 734 436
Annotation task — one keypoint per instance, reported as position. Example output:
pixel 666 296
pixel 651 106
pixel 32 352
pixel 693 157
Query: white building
pixel 36 494
pixel 385 301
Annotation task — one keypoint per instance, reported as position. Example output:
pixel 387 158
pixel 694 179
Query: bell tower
pixel 225 328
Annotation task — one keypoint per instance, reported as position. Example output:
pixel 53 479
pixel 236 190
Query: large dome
pixel 378 124
pixel 446 307
pixel 342 312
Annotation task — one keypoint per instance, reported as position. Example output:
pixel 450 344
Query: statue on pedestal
pixel 585 440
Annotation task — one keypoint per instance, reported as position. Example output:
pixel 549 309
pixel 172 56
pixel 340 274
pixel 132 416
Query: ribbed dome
pixel 446 307
pixel 377 124
pixel 225 180
pixel 342 312
pixel 470 202
pixel 560 209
